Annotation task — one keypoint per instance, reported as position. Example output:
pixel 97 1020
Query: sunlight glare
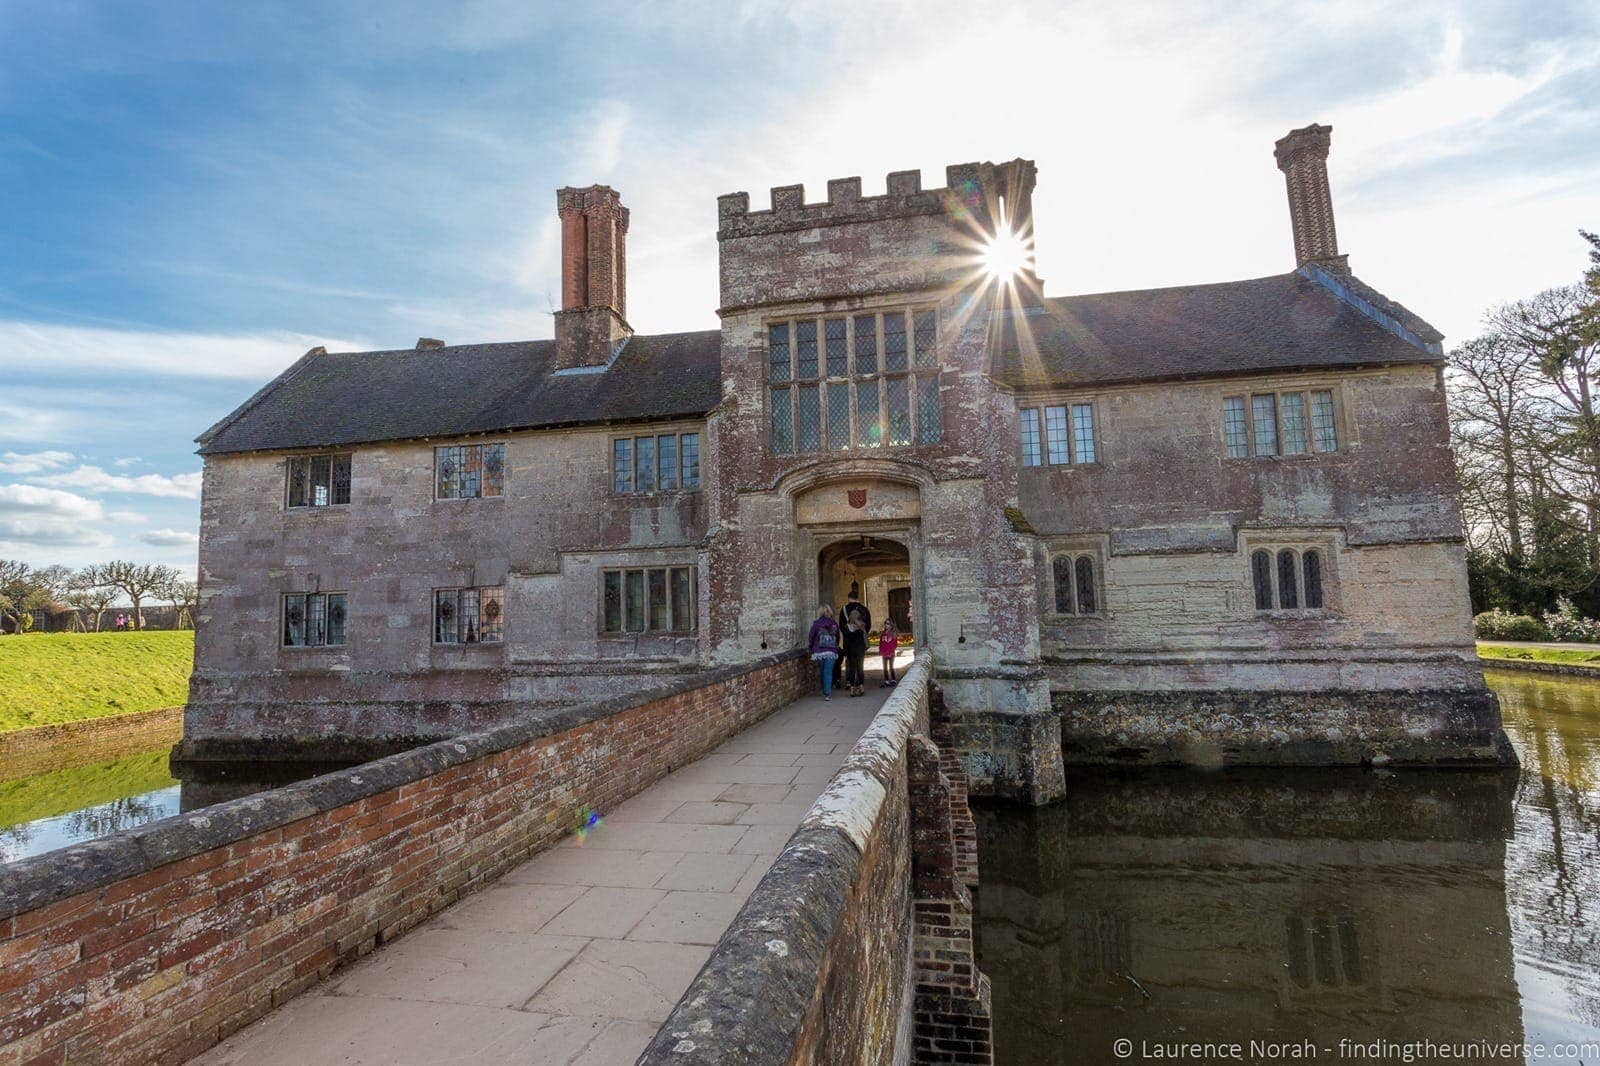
pixel 1006 255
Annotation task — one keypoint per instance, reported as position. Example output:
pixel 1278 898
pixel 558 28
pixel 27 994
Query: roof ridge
pixel 1170 288
pixel 1387 314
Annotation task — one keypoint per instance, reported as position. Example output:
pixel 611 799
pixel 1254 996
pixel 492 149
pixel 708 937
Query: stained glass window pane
pixel 300 482
pixel 622 465
pixel 1312 562
pixel 667 461
pixel 294 621
pixel 782 422
pixel 644 465
pixel 1295 437
pixel 491 615
pixel 866 327
pixel 805 349
pixel 321 475
pixel 337 614
pixel 1261 576
pixel 838 415
pixel 1055 435
pixel 1062 572
pixel 1030 437
pixel 611 601
pixel 925 336
pixel 657 580
pixel 836 347
pixel 445 617
pixel 1323 435
pixel 494 465
pixel 341 479
pixel 447 463
pixel 1264 412
pixel 894 342
pixel 1288 580
pixel 809 419
pixel 1082 433
pixel 689 446
pixel 1084 578
pixel 1235 428
pixel 468 598
pixel 634 601
pixel 471 472
pixel 682 599
pixel 778 361
pixel 869 423
pixel 316 620
pixel 898 394
pixel 930 426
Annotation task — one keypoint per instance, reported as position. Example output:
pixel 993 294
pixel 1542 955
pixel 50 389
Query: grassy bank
pixel 1564 656
pixel 51 678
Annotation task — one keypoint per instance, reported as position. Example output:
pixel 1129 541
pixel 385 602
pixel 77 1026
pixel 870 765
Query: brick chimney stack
pixel 592 322
pixel 1303 157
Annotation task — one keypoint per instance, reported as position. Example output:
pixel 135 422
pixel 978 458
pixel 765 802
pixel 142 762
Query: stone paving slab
pixel 579 954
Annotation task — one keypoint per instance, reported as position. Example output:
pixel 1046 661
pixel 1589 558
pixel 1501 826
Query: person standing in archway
pixel 856 621
pixel 824 645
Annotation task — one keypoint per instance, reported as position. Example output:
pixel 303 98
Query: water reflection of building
pixel 1189 907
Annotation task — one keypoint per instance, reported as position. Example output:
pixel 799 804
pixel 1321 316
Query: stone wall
pixel 91 740
pixel 153 944
pixel 856 947
pixel 545 540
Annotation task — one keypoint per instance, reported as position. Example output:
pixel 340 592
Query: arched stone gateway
pixel 858 534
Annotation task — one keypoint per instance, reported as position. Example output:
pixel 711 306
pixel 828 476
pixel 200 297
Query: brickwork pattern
pixel 161 964
pixel 83 743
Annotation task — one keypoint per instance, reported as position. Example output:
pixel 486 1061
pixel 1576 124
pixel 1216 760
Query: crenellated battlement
pixel 969 186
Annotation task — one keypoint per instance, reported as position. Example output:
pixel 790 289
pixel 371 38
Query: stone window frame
pixel 1276 547
pixel 671 571
pixel 488 602
pixel 1247 398
pixel 677 436
pixel 309 459
pixel 1041 455
pixel 329 608
pixel 1070 551
pixel 484 449
pixel 922 378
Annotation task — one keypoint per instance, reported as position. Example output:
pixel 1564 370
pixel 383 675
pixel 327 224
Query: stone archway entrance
pixel 864 531
pixel 877 569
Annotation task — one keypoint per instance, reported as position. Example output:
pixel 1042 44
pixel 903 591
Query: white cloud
pixel 125 516
pixel 30 515
pixel 94 479
pixel 127 460
pixel 35 346
pixel 33 462
pixel 170 538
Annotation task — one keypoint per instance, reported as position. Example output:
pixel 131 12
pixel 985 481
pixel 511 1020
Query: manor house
pixel 1210 524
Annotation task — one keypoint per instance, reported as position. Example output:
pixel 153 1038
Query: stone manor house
pixel 1211 524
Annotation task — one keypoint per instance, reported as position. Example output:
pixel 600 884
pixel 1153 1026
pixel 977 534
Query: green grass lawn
pixel 1564 656
pixel 48 678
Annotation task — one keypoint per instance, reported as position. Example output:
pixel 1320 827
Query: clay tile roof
pixel 359 397
pixel 1279 323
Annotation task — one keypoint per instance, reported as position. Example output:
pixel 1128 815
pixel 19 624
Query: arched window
pixel 1084 570
pixel 1288 580
pixel 1062 571
pixel 1311 561
pixel 1261 573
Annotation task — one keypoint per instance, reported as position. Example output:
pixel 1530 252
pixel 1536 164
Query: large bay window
pixel 1294 422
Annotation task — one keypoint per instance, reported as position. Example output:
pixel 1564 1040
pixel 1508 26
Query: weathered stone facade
pixel 800 496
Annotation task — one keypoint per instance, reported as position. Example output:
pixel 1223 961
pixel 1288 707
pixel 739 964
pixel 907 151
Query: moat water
pixel 1267 914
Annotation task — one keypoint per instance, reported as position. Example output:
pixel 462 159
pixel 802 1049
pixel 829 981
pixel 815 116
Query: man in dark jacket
pixel 856 622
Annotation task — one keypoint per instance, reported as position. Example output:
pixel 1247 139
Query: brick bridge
pixel 724 870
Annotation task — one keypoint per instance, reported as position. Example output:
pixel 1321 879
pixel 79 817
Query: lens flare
pixel 1006 255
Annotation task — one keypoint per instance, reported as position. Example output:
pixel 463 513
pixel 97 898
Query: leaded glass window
pixel 1289 579
pixel 781 413
pixel 469 615
pixel 1261 577
pixel 838 415
pixel 925 339
pixel 898 397
pixel 1292 410
pixel 657 599
pixel 894 342
pixel 314 619
pixel 667 462
pixel 1323 435
pixel 1264 416
pixel 1082 433
pixel 778 352
pixel 1073 581
pixel 1083 576
pixel 805 349
pixel 622 465
pixel 1031 455
pixel 1057 449
pixel 319 480
pixel 836 350
pixel 689 455
pixel 1312 561
pixel 869 421
pixel 929 425
pixel 664 462
pixel 866 329
pixel 808 419
pixel 1235 427
pixel 644 469
pixel 469 471
pixel 1061 570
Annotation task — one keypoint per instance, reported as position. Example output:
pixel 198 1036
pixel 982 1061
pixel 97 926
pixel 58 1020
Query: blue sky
pixel 196 193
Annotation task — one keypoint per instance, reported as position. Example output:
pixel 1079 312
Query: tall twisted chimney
pixel 592 322
pixel 1303 157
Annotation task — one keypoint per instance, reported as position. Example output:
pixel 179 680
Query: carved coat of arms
pixel 858 498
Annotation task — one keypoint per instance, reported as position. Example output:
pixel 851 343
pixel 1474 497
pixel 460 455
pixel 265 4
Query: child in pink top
pixel 888 643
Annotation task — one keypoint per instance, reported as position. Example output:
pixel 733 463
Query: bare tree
pixel 89 598
pixel 184 597
pixel 137 581
pixel 22 591
pixel 1492 381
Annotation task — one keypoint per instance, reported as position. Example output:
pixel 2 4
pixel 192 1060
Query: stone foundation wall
pixel 155 943
pixel 856 946
pixel 83 743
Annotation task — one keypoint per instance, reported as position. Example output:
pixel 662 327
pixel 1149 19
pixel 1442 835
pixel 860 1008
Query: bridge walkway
pixel 578 956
